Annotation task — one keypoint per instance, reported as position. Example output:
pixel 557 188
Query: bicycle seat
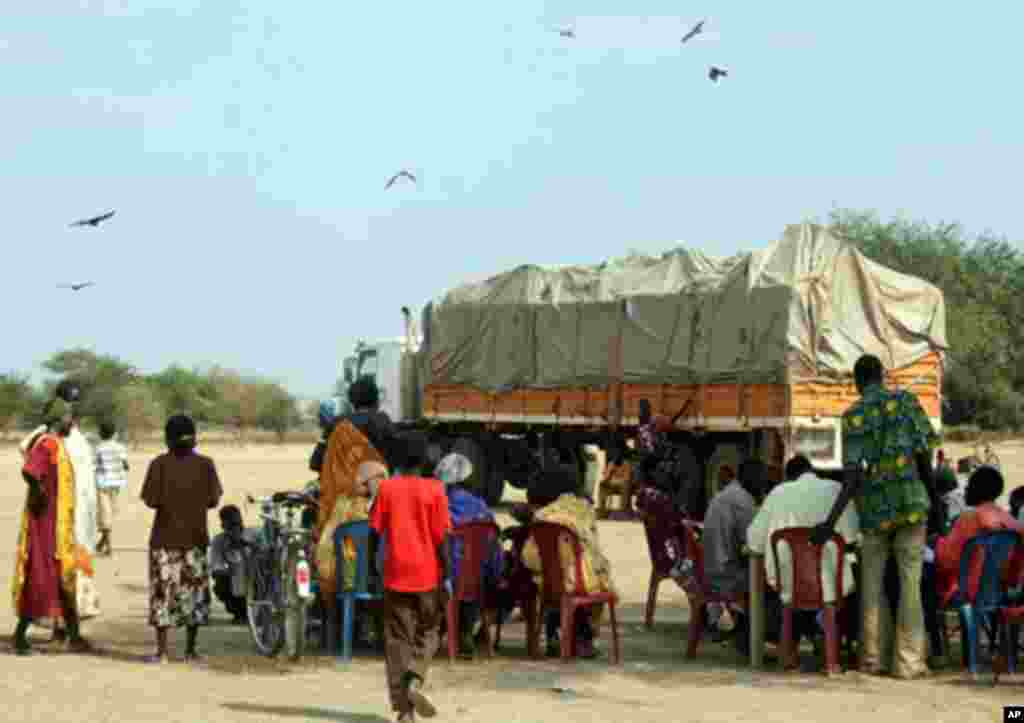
pixel 291 499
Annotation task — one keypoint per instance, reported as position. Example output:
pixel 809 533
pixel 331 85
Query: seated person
pixel 1017 503
pixel 804 501
pixel 350 509
pixel 983 489
pixel 464 506
pixel 561 501
pixel 725 534
pixel 617 480
pixel 227 562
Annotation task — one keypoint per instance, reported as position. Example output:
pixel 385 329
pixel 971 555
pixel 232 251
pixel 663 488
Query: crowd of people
pixel 909 525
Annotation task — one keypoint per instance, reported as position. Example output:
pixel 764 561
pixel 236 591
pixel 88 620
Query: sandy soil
pixel 655 683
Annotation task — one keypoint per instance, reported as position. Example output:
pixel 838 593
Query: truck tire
pixel 472 450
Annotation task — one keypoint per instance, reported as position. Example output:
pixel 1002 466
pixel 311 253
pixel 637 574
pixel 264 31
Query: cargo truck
pixel 756 351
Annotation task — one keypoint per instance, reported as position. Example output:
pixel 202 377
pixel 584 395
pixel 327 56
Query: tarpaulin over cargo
pixel 807 306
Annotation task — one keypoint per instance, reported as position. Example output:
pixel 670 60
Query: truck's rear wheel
pixel 488 477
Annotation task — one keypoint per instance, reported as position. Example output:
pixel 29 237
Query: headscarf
pixel 180 432
pixel 454 469
pixel 329 412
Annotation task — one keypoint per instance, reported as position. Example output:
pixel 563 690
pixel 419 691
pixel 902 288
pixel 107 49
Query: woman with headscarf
pixel 80 455
pixel 181 486
pixel 465 506
pixel 565 505
pixel 46 564
pixel 349 509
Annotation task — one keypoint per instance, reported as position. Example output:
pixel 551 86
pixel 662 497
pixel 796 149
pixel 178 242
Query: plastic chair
pixel 985 606
pixel 359 533
pixel 702 594
pixel 517 588
pixel 547 536
pixel 659 527
pixel 807 590
pixel 478 542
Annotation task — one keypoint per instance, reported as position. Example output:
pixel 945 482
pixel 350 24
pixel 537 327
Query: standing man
pixel 410 514
pixel 111 478
pixel 888 442
pixel 45 570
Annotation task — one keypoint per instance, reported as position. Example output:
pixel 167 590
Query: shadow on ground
pixel 305 713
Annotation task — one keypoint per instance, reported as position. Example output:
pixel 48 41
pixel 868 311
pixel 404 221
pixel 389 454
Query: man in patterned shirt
pixel 888 442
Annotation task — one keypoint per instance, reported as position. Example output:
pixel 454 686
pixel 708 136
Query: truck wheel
pixel 474 452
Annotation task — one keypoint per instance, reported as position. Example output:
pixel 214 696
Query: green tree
pixel 278 410
pixel 16 400
pixel 138 412
pixel 100 376
pixel 982 280
pixel 184 391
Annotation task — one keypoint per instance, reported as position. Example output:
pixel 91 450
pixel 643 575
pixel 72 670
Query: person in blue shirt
pixel 465 506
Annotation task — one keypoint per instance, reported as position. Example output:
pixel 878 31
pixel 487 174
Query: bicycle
pixel 278 591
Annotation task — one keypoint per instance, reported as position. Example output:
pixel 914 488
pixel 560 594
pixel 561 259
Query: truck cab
pixel 391 364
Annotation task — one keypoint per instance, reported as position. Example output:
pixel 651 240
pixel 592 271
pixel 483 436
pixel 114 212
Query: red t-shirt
pixel 411 515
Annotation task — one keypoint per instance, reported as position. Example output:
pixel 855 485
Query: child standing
pixel 111 478
pixel 410 515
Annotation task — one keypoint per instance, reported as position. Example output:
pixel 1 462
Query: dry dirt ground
pixel 656 682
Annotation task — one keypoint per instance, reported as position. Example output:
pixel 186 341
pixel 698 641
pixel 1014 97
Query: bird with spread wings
pixel 401 174
pixel 77 287
pixel 695 31
pixel 95 220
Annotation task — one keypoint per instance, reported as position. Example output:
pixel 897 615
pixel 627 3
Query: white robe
pixel 83 461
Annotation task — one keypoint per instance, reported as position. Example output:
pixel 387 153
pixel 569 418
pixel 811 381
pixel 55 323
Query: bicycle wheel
pixel 295 631
pixel 295 613
pixel 265 621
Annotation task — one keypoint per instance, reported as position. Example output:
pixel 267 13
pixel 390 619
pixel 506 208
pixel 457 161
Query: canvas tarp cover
pixel 805 307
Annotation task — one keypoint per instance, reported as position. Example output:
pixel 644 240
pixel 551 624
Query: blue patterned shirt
pixel 886 429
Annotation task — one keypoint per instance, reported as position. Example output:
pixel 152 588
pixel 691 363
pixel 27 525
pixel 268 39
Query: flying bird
pixel 77 287
pixel 716 73
pixel 94 221
pixel 567 33
pixel 401 174
pixel 695 31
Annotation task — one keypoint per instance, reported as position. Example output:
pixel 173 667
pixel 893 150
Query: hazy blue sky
pixel 245 146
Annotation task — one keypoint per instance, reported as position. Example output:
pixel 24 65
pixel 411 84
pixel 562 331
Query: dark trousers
pixel 929 600
pixel 234 604
pixel 411 624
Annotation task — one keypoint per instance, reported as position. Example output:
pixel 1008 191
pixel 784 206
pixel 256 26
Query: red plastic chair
pixel 808 592
pixel 478 542
pixel 547 536
pixel 658 529
pixel 700 595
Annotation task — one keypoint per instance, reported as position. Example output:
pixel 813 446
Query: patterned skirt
pixel 179 587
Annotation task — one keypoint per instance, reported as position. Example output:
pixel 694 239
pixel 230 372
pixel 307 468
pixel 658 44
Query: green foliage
pixel 98 375
pixel 982 280
pixel 17 399
pixel 138 411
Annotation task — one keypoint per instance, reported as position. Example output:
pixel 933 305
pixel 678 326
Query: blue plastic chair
pixel 991 596
pixel 359 533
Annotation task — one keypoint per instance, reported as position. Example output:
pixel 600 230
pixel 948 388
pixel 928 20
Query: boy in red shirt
pixel 410 515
